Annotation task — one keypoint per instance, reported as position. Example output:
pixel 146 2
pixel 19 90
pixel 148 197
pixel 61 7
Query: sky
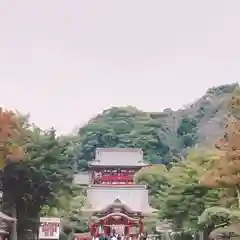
pixel 65 61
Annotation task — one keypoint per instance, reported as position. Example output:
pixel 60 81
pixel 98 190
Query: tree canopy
pixel 129 127
pixel 41 177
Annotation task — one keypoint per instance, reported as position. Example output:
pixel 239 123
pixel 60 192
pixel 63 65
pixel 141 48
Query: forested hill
pixel 163 136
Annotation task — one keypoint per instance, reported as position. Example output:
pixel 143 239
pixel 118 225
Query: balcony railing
pixel 115 178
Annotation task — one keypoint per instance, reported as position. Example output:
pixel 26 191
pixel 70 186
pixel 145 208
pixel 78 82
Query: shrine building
pixel 114 202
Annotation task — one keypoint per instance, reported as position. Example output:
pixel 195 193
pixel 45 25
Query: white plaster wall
pixel 136 199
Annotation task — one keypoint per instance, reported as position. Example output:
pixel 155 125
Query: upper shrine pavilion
pixel 114 202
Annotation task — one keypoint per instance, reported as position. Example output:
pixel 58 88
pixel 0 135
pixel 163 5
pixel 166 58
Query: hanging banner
pixel 119 229
pixel 49 228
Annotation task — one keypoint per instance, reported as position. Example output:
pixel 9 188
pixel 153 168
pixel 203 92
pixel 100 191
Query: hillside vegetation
pixel 165 136
pixel 202 192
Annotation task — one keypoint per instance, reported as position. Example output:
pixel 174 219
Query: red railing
pixel 116 178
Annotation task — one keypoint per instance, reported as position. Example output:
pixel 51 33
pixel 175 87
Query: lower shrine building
pixel 6 223
pixel 114 202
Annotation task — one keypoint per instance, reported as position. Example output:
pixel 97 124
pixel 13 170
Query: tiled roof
pixel 118 157
pixel 96 163
pixel 135 197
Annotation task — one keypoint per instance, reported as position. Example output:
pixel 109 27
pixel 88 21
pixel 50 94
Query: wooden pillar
pixel 126 230
pixel 92 230
pixel 108 231
pixel 97 231
pixel 13 235
pixel 105 227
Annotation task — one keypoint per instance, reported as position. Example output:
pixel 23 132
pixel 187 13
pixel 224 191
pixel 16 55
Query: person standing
pixel 113 237
pixel 102 237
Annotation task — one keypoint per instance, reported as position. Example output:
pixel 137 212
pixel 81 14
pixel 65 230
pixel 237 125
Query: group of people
pixel 116 236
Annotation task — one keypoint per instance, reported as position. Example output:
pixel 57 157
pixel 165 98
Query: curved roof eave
pixel 118 214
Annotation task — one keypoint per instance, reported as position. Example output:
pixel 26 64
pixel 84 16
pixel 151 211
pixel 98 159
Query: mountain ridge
pixel 163 136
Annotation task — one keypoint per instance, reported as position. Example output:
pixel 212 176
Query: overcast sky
pixel 64 61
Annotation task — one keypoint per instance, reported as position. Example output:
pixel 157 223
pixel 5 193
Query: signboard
pixel 49 228
pixel 119 229
pixel 82 236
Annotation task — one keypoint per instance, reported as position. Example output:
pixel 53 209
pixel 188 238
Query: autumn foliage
pixel 10 137
pixel 225 169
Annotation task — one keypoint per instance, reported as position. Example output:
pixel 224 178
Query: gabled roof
pixel 134 198
pixel 118 157
pixel 119 214
pixel 117 203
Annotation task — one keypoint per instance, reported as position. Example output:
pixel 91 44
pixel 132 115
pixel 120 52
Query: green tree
pixel 185 199
pixel 187 132
pixel 74 218
pixel 187 125
pixel 39 180
pixel 155 178
pixel 70 211
pixel 121 127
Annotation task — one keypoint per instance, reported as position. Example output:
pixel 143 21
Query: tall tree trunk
pixel 14 225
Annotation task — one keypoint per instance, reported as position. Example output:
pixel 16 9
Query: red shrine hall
pixel 114 202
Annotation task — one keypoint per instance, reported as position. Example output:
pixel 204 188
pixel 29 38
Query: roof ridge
pixel 120 149
pixel 132 186
pixel 98 163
